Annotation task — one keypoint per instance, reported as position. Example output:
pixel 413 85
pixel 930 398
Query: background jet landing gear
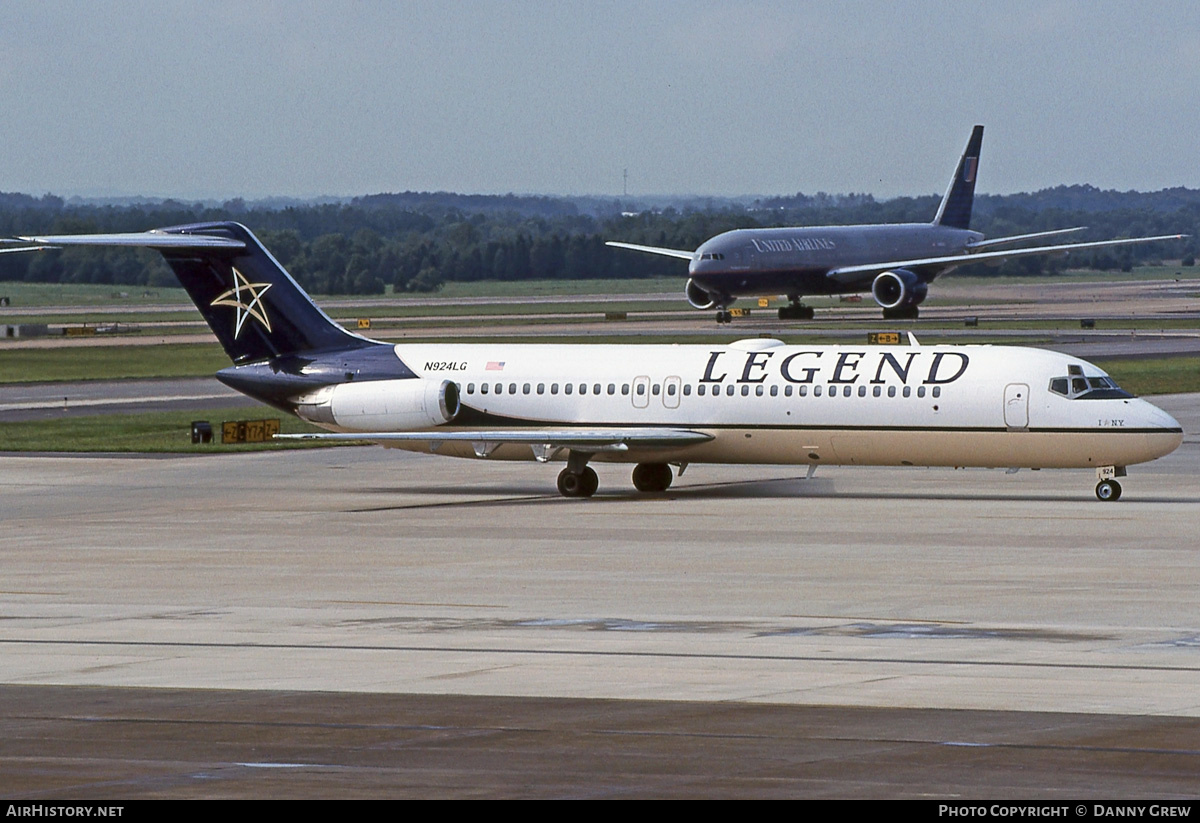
pixel 652 477
pixel 795 310
pixel 721 303
pixel 578 479
pixel 901 313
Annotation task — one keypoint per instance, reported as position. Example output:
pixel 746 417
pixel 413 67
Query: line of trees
pixel 416 241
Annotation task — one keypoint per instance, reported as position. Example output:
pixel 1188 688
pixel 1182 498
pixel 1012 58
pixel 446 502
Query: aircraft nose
pixel 1159 419
pixel 1169 434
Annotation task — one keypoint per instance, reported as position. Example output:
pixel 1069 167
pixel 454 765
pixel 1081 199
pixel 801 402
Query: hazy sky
pixel 244 98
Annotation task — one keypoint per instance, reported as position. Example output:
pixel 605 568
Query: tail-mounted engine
pixel 381 405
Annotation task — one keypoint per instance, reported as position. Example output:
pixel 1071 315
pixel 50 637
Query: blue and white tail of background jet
pixel 955 210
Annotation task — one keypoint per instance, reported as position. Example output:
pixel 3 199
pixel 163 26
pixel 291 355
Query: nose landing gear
pixel 1108 489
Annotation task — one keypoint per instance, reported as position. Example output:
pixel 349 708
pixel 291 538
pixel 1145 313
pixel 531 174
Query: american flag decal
pixel 494 365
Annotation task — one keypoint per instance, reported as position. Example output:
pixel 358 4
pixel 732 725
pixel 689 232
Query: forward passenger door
pixel 1016 406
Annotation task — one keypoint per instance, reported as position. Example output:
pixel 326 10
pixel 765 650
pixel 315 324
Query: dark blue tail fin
pixel 955 210
pixel 281 344
pixel 252 304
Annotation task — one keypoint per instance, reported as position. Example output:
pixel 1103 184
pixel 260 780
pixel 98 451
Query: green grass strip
pixel 148 432
pixel 1166 375
pixel 110 362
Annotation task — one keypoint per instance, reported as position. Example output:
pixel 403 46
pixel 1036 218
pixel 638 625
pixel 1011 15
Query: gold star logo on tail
pixel 246 297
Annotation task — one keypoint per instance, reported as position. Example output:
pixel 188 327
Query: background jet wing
pixel 680 253
pixel 850 274
pixel 16 249
pixel 582 439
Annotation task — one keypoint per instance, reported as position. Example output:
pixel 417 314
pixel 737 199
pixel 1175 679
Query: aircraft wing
pixel 849 274
pixel 590 440
pixel 24 248
pixel 680 253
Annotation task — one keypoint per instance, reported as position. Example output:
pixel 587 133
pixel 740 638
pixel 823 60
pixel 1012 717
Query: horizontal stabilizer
pixel 680 253
pixel 1021 238
pixel 145 240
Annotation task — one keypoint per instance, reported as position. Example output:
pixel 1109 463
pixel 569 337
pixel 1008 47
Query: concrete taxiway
pixel 359 621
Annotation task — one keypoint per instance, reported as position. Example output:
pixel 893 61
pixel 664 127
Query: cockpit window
pixel 1077 387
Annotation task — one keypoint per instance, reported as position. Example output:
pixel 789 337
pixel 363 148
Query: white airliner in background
pixel 655 406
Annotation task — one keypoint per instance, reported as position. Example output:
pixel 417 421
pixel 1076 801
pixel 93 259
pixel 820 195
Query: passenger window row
pixel 527 388
pixel 703 389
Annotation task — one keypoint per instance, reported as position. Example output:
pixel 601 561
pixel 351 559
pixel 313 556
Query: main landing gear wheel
pixel 578 484
pixel 724 316
pixel 652 477
pixel 1108 490
pixel 796 311
pixel 901 313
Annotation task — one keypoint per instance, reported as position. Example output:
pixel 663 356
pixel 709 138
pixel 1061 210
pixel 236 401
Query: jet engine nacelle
pixel 698 297
pixel 899 287
pixel 382 405
pixel 701 298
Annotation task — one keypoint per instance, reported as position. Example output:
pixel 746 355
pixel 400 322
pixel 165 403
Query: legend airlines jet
pixel 895 263
pixel 656 406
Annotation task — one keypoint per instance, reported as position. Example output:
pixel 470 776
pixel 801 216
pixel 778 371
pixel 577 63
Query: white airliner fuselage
pixel 760 401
